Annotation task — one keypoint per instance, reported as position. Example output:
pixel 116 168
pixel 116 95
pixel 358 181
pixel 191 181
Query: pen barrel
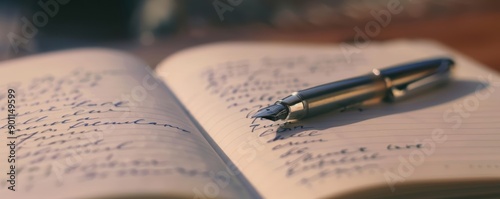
pixel 336 96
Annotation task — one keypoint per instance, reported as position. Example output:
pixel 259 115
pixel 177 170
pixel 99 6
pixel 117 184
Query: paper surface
pixel 450 133
pixel 95 123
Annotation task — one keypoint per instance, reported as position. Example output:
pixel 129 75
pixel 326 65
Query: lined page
pixel 450 133
pixel 95 123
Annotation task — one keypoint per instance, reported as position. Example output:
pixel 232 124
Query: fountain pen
pixel 389 85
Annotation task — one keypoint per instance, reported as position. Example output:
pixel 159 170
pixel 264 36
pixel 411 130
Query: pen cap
pixel 407 79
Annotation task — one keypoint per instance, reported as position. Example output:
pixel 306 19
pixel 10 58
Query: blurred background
pixel 154 29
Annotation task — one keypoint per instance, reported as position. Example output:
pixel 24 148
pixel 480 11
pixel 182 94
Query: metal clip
pixel 403 85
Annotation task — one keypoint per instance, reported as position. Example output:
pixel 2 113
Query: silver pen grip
pixel 362 90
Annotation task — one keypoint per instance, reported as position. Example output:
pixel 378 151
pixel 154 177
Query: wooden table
pixel 475 34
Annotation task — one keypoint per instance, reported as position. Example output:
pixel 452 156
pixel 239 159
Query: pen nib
pixel 273 112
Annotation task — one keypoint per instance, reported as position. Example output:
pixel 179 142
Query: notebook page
pixel 94 123
pixel 449 133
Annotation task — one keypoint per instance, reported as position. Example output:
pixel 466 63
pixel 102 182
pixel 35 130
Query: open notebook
pixel 96 123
